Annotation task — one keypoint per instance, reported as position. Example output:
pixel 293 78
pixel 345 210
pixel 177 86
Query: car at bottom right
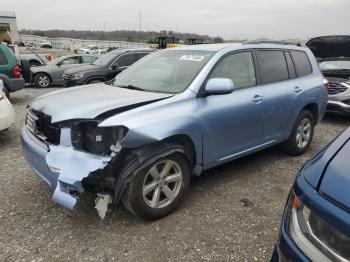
pixel 316 220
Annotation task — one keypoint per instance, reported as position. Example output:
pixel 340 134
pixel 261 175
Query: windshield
pixel 335 65
pixel 106 59
pixel 169 71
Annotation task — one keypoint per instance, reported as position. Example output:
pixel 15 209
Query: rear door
pixel 280 88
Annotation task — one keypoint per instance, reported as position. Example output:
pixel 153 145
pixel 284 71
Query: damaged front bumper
pixel 62 167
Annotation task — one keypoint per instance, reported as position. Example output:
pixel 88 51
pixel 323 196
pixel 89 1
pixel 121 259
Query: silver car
pixel 51 73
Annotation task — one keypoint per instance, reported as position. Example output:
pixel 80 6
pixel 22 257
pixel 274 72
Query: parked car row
pixel 81 69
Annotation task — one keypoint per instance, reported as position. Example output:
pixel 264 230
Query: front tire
pixel 42 80
pixel 158 189
pixel 302 134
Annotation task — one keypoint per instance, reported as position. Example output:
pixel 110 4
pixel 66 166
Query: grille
pixel 336 88
pixel 40 126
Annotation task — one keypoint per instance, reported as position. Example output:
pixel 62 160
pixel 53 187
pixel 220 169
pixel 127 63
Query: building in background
pixel 8 27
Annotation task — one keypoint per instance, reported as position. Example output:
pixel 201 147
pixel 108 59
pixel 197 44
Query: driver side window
pixel 238 67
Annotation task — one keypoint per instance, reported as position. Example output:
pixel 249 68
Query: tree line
pixel 119 35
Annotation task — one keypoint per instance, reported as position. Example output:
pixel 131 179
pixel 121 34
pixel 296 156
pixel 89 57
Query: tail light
pixel 16 71
pixel 1 98
pixel 326 84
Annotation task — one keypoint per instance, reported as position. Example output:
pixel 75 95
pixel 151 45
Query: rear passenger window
pixel 3 59
pixel 302 63
pixel 291 69
pixel 238 67
pixel 273 66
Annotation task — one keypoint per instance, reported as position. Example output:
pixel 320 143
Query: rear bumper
pixel 12 84
pixel 338 107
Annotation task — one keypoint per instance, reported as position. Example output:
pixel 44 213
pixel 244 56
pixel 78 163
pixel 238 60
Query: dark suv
pixel 103 69
pixel 10 71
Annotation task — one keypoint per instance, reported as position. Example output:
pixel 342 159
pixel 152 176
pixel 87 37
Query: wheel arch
pixel 314 110
pixel 91 78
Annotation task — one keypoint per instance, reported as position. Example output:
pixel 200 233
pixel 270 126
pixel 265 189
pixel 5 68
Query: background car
pixel 105 68
pixel 316 220
pixel 86 50
pixel 10 70
pixel 52 73
pixel 333 54
pixel 46 45
pixel 7 113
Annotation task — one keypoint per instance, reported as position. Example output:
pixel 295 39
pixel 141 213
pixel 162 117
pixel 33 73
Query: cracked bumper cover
pixel 62 167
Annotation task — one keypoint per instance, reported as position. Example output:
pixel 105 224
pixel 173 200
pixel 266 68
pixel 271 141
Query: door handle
pixel 297 89
pixel 258 98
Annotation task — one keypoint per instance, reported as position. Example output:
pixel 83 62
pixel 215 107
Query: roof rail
pixel 253 42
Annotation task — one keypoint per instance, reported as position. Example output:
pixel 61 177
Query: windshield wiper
pixel 131 87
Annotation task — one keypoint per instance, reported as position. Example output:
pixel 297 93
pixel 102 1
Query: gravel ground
pixel 232 213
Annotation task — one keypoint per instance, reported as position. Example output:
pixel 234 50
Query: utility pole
pixel 140 21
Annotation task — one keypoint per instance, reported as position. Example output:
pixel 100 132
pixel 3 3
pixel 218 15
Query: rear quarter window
pixel 3 59
pixel 273 66
pixel 301 63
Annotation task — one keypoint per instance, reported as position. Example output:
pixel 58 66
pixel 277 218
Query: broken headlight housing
pixel 318 240
pixel 87 136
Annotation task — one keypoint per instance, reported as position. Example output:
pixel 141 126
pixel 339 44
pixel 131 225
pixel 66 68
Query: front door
pixel 233 124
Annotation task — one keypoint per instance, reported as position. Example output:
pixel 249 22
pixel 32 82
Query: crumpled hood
pixel 81 69
pixel 89 101
pixel 330 46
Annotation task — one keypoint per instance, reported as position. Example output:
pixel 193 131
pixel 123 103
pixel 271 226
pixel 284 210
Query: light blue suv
pixel 173 114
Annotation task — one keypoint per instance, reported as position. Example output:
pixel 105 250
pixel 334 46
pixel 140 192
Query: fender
pixel 160 120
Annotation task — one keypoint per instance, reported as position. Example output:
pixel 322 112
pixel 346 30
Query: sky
pixel 230 19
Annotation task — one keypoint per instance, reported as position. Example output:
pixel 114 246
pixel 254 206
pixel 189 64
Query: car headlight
pixel 89 137
pixel 78 76
pixel 318 240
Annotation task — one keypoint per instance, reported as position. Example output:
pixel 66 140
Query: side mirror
pixel 219 86
pixel 59 63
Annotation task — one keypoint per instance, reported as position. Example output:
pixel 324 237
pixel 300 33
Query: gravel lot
pixel 213 223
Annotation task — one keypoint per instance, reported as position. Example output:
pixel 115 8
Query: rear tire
pixel 302 134
pixel 42 80
pixel 25 67
pixel 148 195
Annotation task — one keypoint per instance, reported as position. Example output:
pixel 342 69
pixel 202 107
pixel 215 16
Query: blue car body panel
pixel 220 127
pixel 323 186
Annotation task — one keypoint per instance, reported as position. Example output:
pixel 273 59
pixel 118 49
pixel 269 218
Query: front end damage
pixel 83 158
pixel 105 170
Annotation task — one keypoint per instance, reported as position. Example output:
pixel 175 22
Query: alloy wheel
pixel 162 184
pixel 43 81
pixel 304 133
